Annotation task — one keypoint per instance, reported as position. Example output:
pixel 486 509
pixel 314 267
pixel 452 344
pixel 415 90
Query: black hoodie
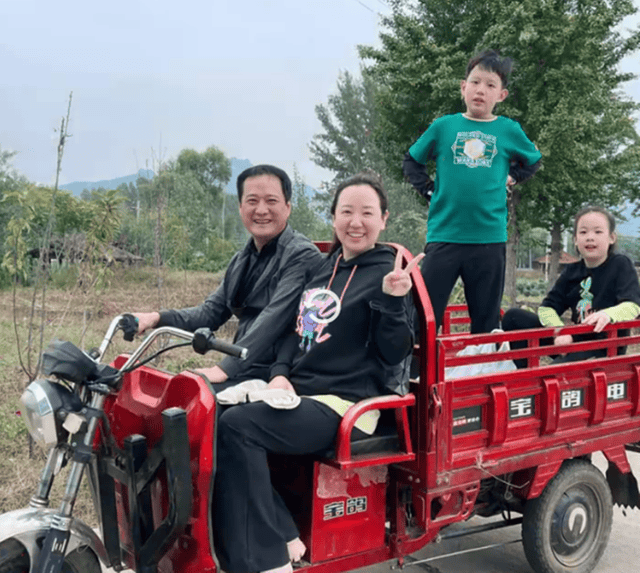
pixel 345 337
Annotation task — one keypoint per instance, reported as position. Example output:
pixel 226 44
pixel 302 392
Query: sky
pixel 150 78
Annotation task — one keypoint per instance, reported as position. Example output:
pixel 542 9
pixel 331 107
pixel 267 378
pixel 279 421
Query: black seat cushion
pixel 384 439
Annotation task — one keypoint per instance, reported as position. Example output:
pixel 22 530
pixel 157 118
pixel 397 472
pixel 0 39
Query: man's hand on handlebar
pixel 146 320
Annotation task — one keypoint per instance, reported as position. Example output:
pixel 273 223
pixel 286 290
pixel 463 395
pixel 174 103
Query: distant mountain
pixel 77 187
pixel 237 167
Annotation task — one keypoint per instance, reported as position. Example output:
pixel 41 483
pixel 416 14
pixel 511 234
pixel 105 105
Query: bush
pixel 535 288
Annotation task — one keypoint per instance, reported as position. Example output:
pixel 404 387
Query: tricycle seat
pixel 391 443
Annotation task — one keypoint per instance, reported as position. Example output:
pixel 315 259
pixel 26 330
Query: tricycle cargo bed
pixel 504 422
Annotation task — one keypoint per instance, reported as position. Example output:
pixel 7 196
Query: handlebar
pixel 202 340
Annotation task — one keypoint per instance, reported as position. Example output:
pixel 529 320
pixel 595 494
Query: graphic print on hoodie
pixel 318 307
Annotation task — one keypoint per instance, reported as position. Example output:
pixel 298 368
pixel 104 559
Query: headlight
pixel 41 402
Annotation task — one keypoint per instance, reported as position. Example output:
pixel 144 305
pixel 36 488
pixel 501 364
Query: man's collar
pixel 270 247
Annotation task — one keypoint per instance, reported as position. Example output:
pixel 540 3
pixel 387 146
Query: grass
pixel 81 317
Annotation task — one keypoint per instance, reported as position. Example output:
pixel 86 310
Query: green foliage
pixel 407 218
pixel 11 424
pixel 531 288
pixel 307 216
pixel 629 246
pixel 64 275
pixel 33 207
pixel 211 168
pixel 565 90
pixel 216 255
pixel 173 219
pixel 346 146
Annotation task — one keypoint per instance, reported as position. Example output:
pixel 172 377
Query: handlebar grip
pixel 230 349
pixel 129 326
pixel 204 340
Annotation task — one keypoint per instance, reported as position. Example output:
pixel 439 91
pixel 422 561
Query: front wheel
pixel 567 528
pixel 14 558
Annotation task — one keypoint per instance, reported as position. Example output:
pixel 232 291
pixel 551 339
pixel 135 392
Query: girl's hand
pixel 398 281
pixel 510 181
pixel 599 319
pixel 281 382
pixel 563 339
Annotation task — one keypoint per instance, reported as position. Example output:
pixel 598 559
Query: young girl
pixel 352 324
pixel 599 289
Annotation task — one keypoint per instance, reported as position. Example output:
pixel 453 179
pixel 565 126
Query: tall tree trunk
pixel 556 251
pixel 510 290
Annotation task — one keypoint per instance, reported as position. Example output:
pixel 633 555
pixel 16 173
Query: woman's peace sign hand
pixel 398 281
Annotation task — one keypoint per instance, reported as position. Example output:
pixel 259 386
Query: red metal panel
pixel 349 511
pixel 618 455
pixel 634 390
pixel 497 417
pixel 543 473
pixel 550 405
pixel 137 409
pixel 598 396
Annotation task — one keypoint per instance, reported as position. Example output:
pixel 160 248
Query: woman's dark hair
pixel 611 221
pixel 369 178
pixel 265 170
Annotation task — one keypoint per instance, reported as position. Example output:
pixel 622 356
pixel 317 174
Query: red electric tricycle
pixel 515 443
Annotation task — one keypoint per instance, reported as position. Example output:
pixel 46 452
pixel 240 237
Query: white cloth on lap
pixel 257 391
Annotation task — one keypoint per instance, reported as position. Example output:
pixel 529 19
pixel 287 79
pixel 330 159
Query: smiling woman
pixel 358 219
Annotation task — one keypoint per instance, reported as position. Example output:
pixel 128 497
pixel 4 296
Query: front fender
pixel 28 524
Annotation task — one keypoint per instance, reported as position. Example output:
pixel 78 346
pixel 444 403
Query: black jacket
pixel 593 289
pixel 344 349
pixel 268 308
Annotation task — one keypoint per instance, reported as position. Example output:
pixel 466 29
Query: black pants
pixel 252 523
pixel 519 319
pixel 481 268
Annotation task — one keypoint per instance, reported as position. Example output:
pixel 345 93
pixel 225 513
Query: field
pixel 82 318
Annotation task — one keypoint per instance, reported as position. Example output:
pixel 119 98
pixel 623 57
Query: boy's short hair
pixel 490 60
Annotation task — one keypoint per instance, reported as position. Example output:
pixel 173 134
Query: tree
pixel 305 216
pixel 407 223
pixel 9 181
pixel 346 146
pixel 212 169
pixel 565 93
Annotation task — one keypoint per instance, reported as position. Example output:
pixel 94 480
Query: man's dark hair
pixel 265 170
pixel 491 61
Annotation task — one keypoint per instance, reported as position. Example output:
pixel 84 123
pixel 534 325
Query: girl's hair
pixel 369 178
pixel 611 221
